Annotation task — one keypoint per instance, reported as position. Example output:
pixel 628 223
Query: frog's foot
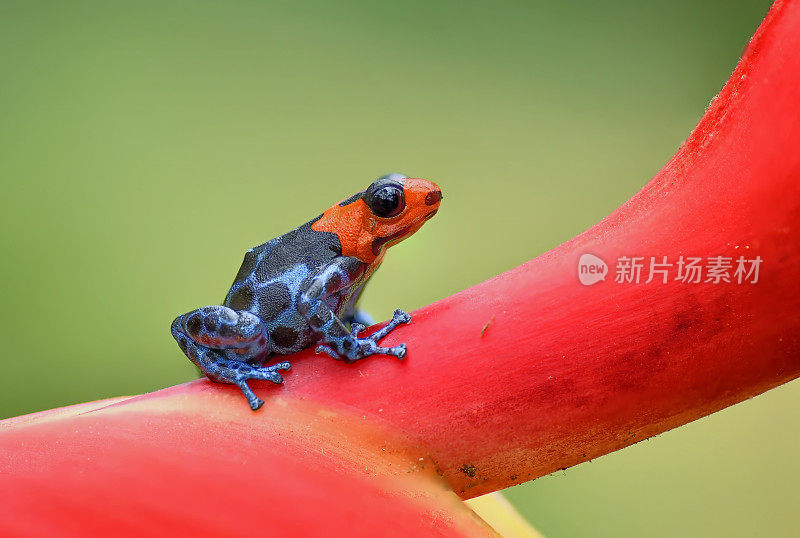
pixel 351 348
pixel 238 373
pixel 222 369
pixel 221 341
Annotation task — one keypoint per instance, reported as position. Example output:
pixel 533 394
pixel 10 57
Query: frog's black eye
pixel 385 198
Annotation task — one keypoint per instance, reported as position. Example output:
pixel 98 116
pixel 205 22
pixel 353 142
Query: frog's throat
pixel 379 242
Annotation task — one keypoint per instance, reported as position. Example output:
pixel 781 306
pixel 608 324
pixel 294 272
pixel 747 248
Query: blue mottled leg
pixel 340 343
pixel 220 341
pixel 223 370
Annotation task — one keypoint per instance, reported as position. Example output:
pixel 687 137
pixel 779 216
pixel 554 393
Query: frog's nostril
pixel 433 197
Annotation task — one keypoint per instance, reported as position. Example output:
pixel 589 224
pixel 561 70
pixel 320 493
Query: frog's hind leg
pixel 221 342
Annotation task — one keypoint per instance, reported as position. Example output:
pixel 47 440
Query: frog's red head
pixel 389 210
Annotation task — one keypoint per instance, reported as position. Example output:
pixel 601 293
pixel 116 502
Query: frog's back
pixel 273 274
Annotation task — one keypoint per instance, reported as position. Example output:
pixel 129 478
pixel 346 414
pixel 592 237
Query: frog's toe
pixel 327 350
pixel 398 351
pixel 268 373
pixel 400 316
pixel 254 401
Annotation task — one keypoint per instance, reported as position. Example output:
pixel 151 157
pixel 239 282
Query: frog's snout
pixel 422 201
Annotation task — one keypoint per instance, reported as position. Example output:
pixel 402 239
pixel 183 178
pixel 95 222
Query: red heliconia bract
pixel 509 380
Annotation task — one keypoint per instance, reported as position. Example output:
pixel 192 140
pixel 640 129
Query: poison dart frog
pixel 301 288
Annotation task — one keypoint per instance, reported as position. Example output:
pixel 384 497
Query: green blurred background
pixel 144 146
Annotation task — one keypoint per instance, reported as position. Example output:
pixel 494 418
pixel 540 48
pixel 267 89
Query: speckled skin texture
pixel 299 289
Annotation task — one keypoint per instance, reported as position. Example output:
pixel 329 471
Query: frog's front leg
pixel 340 343
pixel 223 343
